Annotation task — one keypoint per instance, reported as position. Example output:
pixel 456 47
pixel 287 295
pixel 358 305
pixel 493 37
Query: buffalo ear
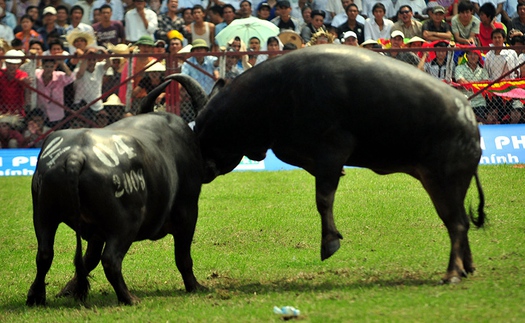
pixel 217 87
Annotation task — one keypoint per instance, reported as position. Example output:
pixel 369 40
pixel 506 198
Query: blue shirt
pixel 204 80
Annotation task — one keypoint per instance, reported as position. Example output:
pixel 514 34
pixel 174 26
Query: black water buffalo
pixel 327 106
pixel 139 178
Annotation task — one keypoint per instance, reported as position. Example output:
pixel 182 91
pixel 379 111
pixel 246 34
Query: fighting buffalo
pixel 324 107
pixel 139 178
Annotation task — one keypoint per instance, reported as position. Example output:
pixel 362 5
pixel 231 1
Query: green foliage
pixel 257 245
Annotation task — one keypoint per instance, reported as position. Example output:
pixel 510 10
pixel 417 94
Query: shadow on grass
pixel 223 287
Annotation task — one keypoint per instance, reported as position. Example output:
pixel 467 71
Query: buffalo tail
pixel 74 166
pixel 480 220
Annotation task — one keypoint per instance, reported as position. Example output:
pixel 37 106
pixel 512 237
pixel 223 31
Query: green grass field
pixel 257 245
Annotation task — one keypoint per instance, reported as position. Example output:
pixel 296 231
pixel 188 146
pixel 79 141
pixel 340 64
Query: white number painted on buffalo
pixel 129 182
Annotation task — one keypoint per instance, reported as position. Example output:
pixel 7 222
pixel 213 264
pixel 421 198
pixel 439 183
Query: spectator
pixel 153 78
pixel 487 12
pixel 350 39
pixel 62 20
pixel 370 44
pixel 170 21
pixel 228 15
pixel 33 12
pixel 206 63
pixel 416 7
pixel 406 24
pixel 9 137
pixel 49 25
pixel 497 4
pixel 200 29
pixel 80 40
pixel 12 96
pixel 4 47
pixel 397 41
pixel 114 108
pixel 175 45
pixel 442 66
pixel 368 8
pixel 6 17
pixel 317 24
pixel 500 61
pixel 340 19
pixel 245 10
pixel 56 47
pixel 51 83
pixel 264 11
pixel 88 7
pixel 270 4
pixel 160 47
pixel 436 28
pixel 321 37
pixel 35 129
pixel 306 14
pixel 140 22
pixel 76 14
pixel 187 17
pixel 517 25
pixel 6 33
pixel 285 21
pixel 27 34
pixel 108 30
pixel 378 27
pixel 473 71
pixel 36 47
pixel 352 24
pixel 254 45
pixel 88 83
pixel 215 17
pixel 273 44
pixel 117 8
pixel 465 26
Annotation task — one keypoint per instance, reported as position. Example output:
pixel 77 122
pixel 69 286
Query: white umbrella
pixel 247 28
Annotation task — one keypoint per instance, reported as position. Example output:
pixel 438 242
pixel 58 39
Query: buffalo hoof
pixel 33 298
pixel 131 300
pixel 329 248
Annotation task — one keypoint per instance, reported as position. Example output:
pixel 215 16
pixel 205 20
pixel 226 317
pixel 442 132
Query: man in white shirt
pixel 140 21
pixel 88 84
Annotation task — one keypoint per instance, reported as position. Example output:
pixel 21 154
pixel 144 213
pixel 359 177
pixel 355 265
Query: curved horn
pixel 198 96
pixel 149 102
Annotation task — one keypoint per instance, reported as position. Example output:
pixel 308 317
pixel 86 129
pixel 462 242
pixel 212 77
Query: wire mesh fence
pixel 47 93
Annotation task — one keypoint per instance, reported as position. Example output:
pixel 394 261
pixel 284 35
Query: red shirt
pixel 12 99
pixel 484 35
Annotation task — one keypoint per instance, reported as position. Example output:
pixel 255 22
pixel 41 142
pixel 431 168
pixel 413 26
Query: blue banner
pixel 501 144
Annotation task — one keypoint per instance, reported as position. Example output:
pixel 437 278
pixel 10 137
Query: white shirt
pixel 372 29
pixel 135 26
pixel 369 4
pixel 417 5
pixel 497 65
pixel 89 87
pixel 6 33
pixel 341 18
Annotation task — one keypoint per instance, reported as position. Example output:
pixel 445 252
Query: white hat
pixel 156 67
pixel 517 104
pixel 14 53
pixel 113 100
pixel 396 33
pixel 369 42
pixel 349 34
pixel 416 39
pixel 50 10
pixel 77 33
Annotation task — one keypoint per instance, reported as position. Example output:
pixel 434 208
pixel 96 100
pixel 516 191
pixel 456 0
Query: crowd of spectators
pixel 39 94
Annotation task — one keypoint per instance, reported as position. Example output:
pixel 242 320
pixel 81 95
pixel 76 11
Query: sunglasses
pixel 404 12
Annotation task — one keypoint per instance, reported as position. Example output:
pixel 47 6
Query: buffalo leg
pixel 448 195
pixel 45 233
pixel 114 252
pixel 185 222
pixel 91 260
pixel 326 183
